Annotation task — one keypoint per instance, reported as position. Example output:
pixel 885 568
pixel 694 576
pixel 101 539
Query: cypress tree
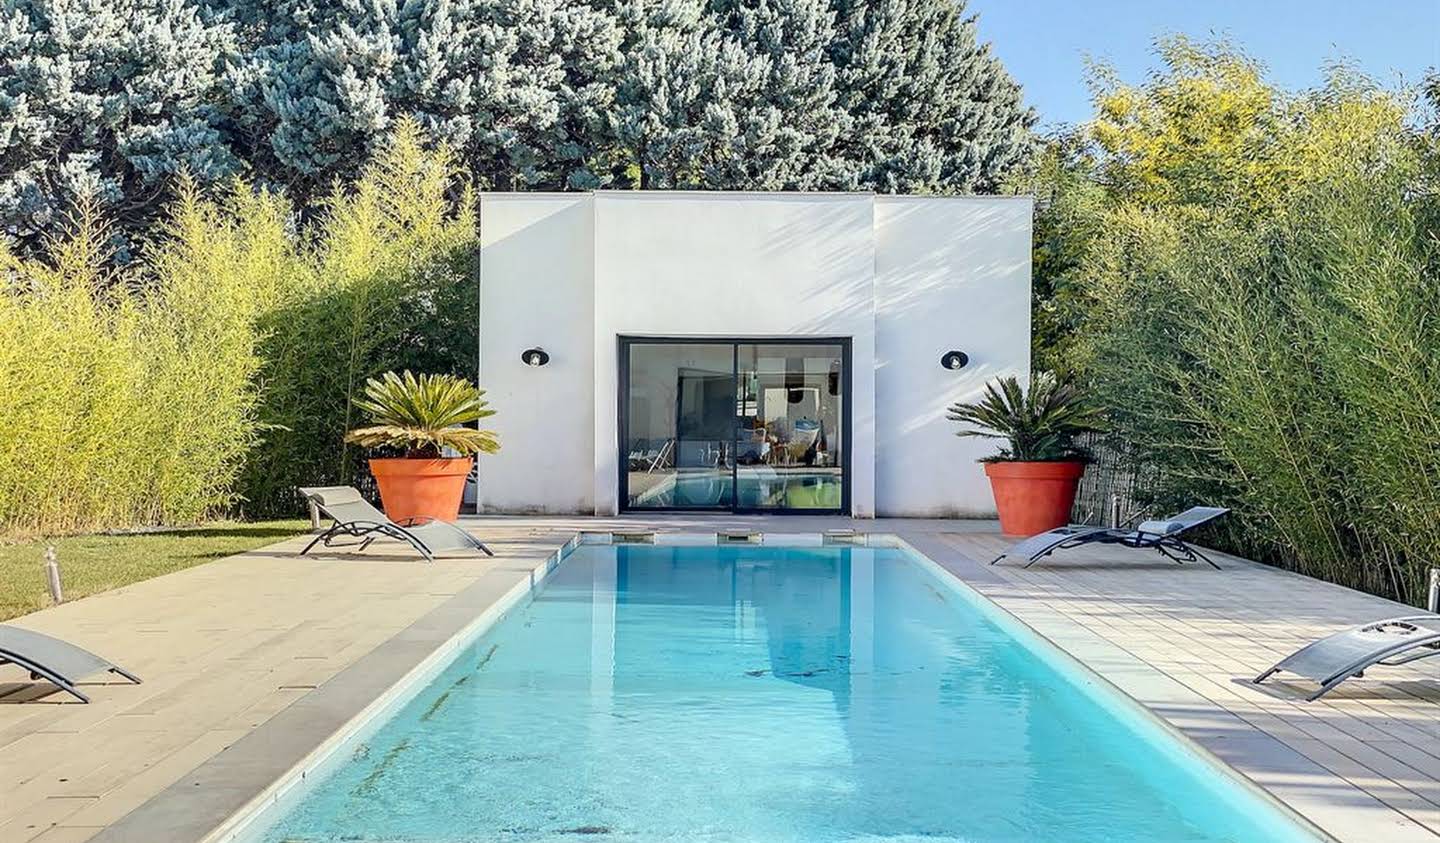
pixel 112 97
pixel 930 110
pixel 778 130
pixel 669 72
pixel 515 87
pixel 107 99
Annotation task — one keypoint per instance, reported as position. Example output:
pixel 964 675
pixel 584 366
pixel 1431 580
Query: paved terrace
pixel 250 662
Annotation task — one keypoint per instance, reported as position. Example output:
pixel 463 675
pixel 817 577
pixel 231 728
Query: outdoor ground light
pixel 954 360
pixel 535 357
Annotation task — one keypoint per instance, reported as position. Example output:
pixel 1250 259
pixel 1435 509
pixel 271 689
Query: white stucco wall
pixel 744 265
pixel 905 278
pixel 951 273
pixel 537 289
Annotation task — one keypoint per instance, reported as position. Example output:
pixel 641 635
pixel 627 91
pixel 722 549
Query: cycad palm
pixel 1040 424
pixel 421 415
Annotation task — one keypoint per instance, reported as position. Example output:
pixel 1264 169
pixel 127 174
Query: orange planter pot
pixel 414 488
pixel 1033 497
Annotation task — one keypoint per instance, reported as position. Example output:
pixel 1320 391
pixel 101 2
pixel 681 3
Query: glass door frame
pixel 625 341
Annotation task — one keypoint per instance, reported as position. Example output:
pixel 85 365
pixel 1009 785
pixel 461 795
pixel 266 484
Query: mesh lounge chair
pixel 1162 535
pixel 50 658
pixel 649 459
pixel 1335 658
pixel 354 517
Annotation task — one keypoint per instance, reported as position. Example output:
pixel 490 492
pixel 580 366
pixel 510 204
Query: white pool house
pixel 745 352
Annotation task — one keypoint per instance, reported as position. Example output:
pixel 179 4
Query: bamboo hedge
pixel 214 373
pixel 1249 282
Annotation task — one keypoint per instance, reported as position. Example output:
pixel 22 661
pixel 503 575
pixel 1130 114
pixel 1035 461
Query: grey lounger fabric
pixel 1335 658
pixel 1041 544
pixel 1162 535
pixel 50 658
pixel 354 517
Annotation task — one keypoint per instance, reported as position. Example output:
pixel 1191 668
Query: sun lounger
pixel 1335 658
pixel 1162 535
pixel 354 517
pixel 50 658
pixel 650 459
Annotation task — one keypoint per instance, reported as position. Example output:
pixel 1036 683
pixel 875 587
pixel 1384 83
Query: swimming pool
pixel 684 693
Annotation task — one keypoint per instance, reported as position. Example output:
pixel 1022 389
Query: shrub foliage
pixel 1248 282
pixel 129 399
pixel 217 370
pixel 386 282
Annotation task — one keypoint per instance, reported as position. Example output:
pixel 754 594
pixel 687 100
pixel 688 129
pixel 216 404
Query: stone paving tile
pixel 39 816
pixel 67 834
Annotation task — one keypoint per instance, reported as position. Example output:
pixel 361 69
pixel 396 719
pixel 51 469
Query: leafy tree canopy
pixel 110 98
pixel 1247 279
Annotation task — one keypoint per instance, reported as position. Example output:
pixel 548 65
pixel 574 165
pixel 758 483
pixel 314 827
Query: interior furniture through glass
pixel 737 425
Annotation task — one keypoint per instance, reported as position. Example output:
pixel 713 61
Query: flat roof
pixel 749 194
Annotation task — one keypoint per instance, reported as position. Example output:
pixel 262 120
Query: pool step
pixel 846 537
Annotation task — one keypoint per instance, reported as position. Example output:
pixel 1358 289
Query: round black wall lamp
pixel 954 360
pixel 535 357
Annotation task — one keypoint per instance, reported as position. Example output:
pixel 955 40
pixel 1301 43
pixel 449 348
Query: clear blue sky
pixel 1044 42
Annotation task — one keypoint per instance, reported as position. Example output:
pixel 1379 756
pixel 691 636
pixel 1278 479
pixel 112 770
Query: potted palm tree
pixel 1035 475
pixel 422 418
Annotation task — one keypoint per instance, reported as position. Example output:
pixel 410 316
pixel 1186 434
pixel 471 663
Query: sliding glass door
pixel 734 425
pixel 675 420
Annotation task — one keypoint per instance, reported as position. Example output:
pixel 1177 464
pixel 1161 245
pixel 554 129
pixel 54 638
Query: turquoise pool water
pixel 755 693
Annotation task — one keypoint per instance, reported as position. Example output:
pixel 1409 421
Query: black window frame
pixel 622 400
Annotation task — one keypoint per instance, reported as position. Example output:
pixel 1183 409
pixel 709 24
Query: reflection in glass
pixel 678 437
pixel 743 425
pixel 790 408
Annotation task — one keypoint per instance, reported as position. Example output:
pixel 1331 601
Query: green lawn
pixel 92 564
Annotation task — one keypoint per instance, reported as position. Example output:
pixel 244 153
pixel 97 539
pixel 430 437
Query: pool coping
pixel 222 798
pixel 1107 693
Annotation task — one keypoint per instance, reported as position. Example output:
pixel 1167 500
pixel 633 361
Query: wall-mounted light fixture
pixel 954 360
pixel 535 357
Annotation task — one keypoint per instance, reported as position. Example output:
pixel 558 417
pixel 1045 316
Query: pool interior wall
pixel 693 692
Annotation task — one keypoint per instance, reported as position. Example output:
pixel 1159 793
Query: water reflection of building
pixel 854 680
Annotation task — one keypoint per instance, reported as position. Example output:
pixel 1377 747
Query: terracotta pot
pixel 411 488
pixel 1033 497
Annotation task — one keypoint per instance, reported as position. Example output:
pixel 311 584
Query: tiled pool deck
pixel 253 661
